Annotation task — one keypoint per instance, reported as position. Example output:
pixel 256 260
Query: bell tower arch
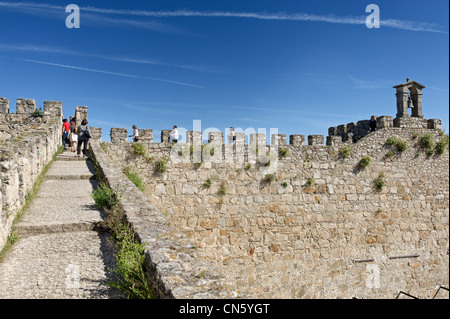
pixel 409 95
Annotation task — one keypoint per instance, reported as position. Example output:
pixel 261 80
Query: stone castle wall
pixel 27 144
pixel 293 219
pixel 320 229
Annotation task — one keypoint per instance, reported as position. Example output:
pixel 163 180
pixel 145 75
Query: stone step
pixel 71 156
pixel 71 170
pixel 60 214
pixel 63 157
pixel 33 229
pixel 52 188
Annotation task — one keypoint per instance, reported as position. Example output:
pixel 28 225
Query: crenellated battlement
pixel 119 136
pixel 337 135
pixel 27 107
pixel 28 115
pixel 354 131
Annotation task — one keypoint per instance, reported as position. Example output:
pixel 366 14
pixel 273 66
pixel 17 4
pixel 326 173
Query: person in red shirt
pixel 65 131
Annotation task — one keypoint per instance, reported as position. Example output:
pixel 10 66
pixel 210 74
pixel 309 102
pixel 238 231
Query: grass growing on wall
pixel 442 145
pixel 365 161
pixel 138 149
pixel 134 177
pixel 379 182
pixel 269 178
pixel 130 276
pixel 346 152
pixel 283 152
pixel 161 165
pixel 310 182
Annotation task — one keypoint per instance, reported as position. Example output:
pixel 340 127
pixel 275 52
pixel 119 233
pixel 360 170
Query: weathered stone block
pixel 334 140
pixel 435 124
pixel 53 109
pixel 297 140
pixel 96 133
pixel 25 106
pixel 385 121
pixel 315 139
pixel 146 136
pixel 4 105
pixel 81 113
pixel 215 138
pixel 119 135
pixel 278 139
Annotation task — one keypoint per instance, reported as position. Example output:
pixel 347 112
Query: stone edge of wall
pixel 15 163
pixel 176 268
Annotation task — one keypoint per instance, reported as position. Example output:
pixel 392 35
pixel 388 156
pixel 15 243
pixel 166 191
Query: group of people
pixel 76 135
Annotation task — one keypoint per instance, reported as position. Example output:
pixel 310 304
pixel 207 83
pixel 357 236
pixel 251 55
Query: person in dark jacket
pixel 83 137
pixel 373 124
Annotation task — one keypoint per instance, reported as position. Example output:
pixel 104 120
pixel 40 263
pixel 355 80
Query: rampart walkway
pixel 59 253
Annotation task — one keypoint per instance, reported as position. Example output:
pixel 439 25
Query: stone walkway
pixel 60 253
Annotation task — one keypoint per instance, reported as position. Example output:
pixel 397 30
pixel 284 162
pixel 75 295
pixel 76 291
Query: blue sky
pixel 298 66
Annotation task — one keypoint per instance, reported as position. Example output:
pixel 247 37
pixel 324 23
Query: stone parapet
pixel 410 122
pixel 22 159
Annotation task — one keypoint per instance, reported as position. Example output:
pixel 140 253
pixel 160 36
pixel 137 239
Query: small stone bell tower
pixel 409 95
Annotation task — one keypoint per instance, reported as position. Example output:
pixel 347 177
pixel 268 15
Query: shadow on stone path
pixel 60 254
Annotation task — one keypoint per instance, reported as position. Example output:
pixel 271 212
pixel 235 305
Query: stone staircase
pixel 61 252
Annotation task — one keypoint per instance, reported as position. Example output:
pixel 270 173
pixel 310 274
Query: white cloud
pixel 279 16
pixel 114 73
pixel 59 50
pixel 371 84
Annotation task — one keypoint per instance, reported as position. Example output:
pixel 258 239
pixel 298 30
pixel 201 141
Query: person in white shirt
pixel 174 135
pixel 135 135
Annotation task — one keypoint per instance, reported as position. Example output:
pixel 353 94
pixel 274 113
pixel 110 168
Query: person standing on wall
pixel 65 132
pixel 135 135
pixel 83 137
pixel 373 124
pixel 174 135
pixel 73 137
